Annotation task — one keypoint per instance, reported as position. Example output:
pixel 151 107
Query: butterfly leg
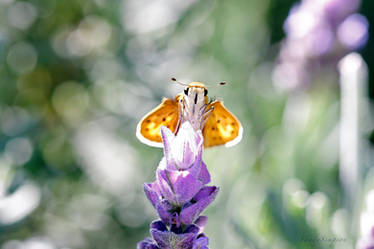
pixel 206 116
pixel 180 115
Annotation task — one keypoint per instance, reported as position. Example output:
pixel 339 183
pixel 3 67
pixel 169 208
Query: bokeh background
pixel 76 76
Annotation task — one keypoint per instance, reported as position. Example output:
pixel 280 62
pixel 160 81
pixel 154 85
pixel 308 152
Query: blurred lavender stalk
pixel 353 82
pixel 318 34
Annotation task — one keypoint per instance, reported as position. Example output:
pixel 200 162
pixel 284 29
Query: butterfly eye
pixel 205 92
pixel 186 91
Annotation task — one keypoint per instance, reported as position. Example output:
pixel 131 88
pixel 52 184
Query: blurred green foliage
pixel 75 78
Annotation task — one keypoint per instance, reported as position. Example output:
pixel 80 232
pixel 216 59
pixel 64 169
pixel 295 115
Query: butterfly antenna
pixel 180 83
pixel 222 83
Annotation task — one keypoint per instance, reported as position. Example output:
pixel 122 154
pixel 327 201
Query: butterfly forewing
pixel 221 127
pixel 149 128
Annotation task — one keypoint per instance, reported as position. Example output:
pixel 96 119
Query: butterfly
pixel 218 125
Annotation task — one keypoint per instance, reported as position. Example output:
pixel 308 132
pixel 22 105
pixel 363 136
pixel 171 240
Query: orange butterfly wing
pixel 221 127
pixel 149 128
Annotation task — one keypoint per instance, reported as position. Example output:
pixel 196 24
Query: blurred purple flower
pixel 366 242
pixel 179 194
pixel 367 224
pixel 318 34
pixel 353 32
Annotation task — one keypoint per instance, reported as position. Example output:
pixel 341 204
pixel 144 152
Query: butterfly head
pixel 196 93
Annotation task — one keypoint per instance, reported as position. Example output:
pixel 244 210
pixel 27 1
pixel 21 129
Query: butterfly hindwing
pixel 221 127
pixel 149 128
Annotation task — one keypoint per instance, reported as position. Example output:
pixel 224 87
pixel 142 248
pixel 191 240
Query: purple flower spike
pixel 179 194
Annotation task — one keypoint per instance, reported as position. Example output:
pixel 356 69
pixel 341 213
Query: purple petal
pixel 195 169
pixel 203 199
pixel 163 209
pixel 165 185
pixel 185 147
pixel 170 240
pixel 161 238
pixel 201 242
pixel 152 192
pixel 178 186
pixel 148 243
pixel 162 206
pixel 182 155
pixel 192 229
pixel 159 225
pixel 185 186
pixel 199 139
pixel 167 138
pixel 188 155
pixel 182 151
pixel 201 222
pixel 182 241
pixel 204 175
pixel 205 192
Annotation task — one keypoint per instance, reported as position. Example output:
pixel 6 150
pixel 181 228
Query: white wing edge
pixel 145 140
pixel 237 139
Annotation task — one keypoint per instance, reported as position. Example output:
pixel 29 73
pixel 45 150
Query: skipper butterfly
pixel 218 125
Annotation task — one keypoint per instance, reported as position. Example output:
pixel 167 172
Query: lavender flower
pixel 179 194
pixel 319 33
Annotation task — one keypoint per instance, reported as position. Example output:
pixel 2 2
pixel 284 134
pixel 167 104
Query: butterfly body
pixel 218 125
